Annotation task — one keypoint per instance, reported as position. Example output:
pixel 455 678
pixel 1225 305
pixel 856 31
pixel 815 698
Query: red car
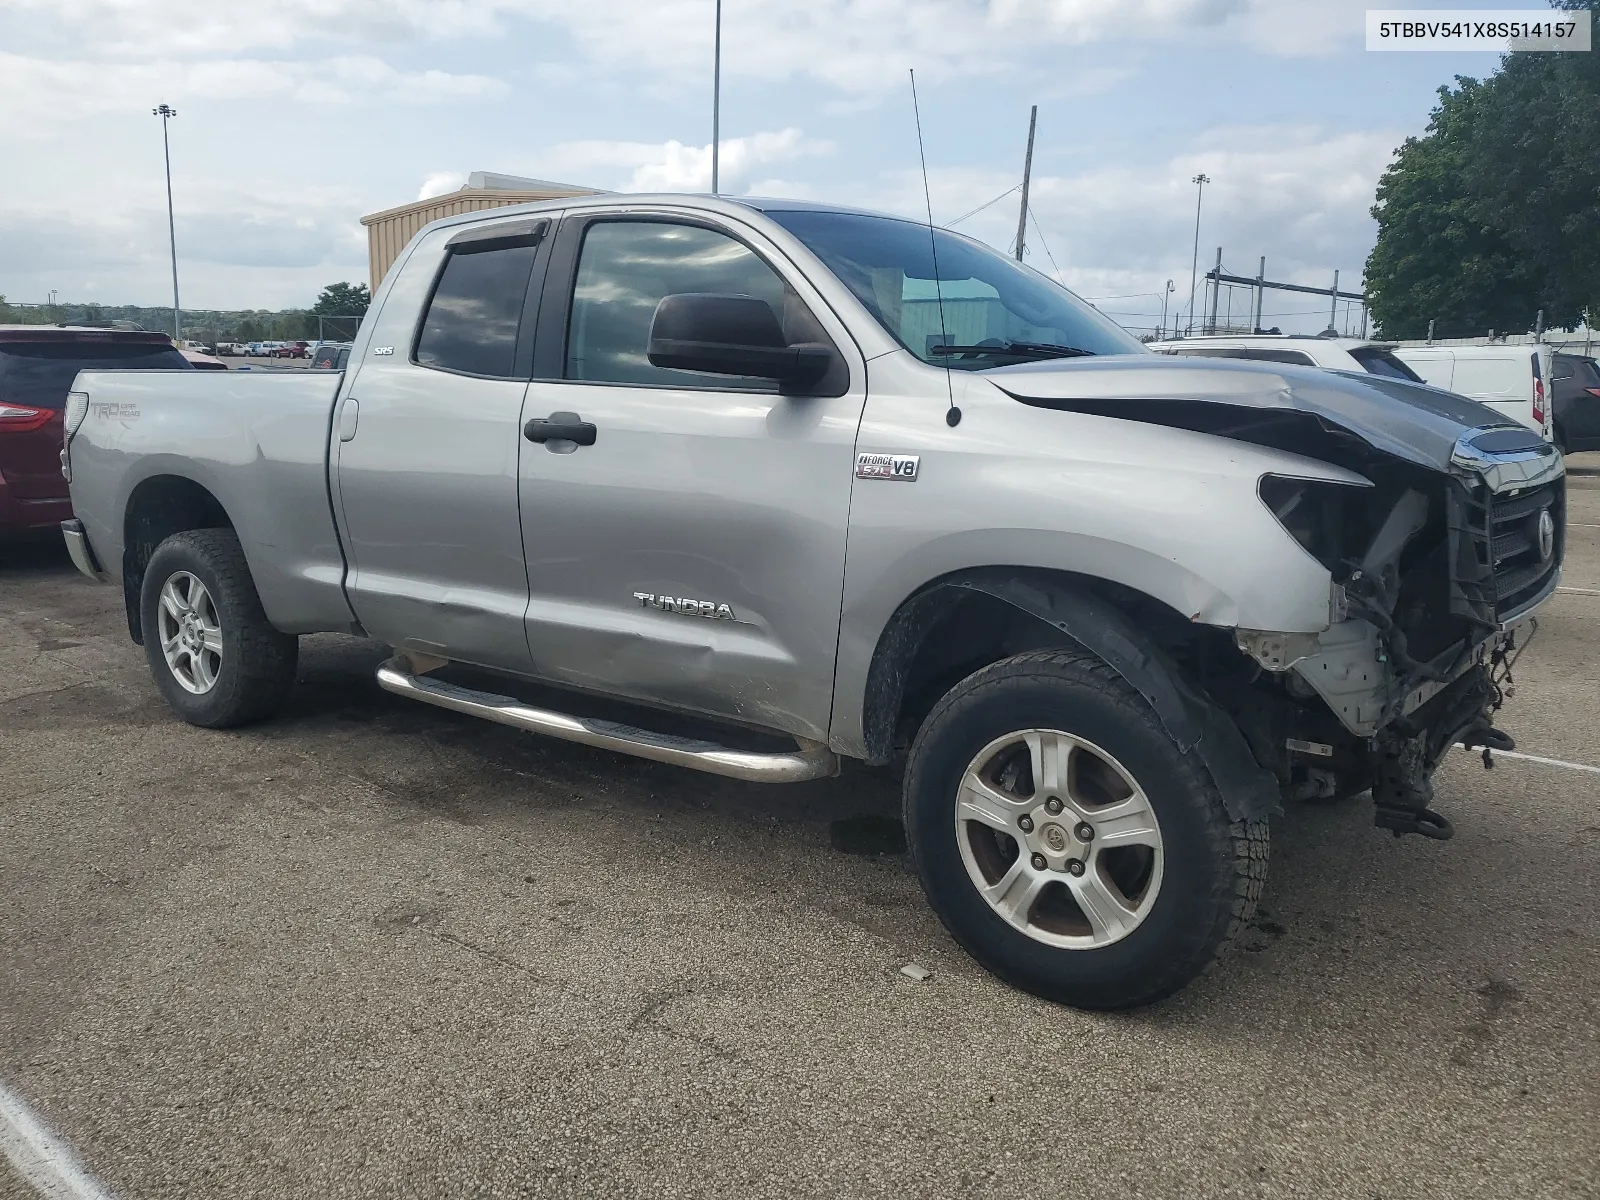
pixel 37 366
pixel 290 350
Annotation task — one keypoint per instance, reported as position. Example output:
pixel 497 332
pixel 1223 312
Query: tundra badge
pixel 888 466
pixel 686 606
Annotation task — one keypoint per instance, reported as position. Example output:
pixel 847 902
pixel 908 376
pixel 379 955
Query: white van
pixel 1510 379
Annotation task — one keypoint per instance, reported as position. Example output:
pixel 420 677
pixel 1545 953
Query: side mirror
pixel 730 335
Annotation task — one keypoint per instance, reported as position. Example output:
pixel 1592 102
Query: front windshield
pixel 987 298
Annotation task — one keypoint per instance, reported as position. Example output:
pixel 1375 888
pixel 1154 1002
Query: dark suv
pixel 37 366
pixel 331 356
pixel 1575 402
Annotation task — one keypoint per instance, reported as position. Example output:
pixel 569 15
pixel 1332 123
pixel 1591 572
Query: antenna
pixel 952 416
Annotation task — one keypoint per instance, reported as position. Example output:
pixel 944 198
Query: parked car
pixel 204 362
pixel 719 466
pixel 37 365
pixel 1508 378
pixel 1338 354
pixel 290 350
pixel 1575 402
pixel 331 356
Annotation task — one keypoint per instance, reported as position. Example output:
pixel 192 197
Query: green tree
pixel 342 300
pixel 1494 214
pixel 294 324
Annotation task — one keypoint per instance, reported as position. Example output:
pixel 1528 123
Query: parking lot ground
pixel 374 949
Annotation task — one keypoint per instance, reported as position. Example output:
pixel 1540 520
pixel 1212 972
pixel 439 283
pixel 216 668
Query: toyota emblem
pixel 1547 535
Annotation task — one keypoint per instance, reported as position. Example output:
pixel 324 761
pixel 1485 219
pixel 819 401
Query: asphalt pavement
pixel 371 948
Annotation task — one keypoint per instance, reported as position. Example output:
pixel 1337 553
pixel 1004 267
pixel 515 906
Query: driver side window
pixel 624 270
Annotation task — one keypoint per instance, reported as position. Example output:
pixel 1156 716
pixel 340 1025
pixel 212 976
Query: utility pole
pixel 1161 329
pixel 1194 266
pixel 1261 290
pixel 1027 175
pixel 716 100
pixel 1216 286
pixel 166 112
pixel 1333 303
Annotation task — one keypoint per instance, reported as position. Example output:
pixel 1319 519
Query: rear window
pixel 1210 352
pixel 1502 379
pixel 472 320
pixel 1573 366
pixel 1381 362
pixel 39 375
pixel 1297 358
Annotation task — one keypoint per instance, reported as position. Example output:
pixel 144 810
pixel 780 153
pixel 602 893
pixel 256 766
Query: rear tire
pixel 214 656
pixel 1130 876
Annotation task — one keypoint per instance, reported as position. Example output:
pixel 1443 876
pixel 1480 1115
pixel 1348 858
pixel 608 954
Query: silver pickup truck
pixel 751 487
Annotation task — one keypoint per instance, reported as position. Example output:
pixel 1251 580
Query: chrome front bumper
pixel 78 547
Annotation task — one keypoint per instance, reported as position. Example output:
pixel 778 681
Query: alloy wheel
pixel 1059 839
pixel 191 633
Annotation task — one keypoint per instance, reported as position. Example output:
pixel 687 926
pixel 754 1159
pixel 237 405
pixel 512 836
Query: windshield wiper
pixel 1014 349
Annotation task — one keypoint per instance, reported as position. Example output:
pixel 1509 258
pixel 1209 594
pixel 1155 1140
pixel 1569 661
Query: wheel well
pixel 158 508
pixel 947 631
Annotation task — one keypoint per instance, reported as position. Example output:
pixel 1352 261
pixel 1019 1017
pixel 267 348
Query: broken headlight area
pixel 1387 547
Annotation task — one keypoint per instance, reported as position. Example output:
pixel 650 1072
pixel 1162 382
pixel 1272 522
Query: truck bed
pixel 256 442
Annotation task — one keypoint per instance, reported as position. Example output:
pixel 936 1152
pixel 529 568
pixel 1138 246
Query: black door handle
pixel 560 427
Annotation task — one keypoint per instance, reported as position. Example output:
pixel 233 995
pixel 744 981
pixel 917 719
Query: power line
pixel 1046 245
pixel 981 207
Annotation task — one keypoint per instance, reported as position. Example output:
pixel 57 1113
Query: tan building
pixel 389 231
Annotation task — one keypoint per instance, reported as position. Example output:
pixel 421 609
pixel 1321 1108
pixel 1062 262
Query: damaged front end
pixel 1444 542
pixel 1436 578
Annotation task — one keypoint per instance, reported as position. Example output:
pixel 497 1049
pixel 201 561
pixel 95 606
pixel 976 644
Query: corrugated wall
pixel 390 230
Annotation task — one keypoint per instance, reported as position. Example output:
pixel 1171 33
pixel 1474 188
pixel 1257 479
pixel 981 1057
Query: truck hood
pixel 1337 415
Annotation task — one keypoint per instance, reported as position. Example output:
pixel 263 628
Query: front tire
pixel 1067 843
pixel 215 657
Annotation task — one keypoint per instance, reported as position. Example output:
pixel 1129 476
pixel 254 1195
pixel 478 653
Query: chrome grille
pixel 1509 544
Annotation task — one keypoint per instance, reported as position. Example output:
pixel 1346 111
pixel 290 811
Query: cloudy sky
pixel 298 116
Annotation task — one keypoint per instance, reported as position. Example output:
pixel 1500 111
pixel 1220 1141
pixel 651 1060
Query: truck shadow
pixel 36 556
pixel 1342 907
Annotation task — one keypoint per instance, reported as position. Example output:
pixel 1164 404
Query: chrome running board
pixel 811 760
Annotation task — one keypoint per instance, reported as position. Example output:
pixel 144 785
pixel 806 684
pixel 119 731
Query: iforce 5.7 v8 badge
pixel 888 466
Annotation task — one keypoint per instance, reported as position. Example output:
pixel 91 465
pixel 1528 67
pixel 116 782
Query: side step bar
pixel 811 760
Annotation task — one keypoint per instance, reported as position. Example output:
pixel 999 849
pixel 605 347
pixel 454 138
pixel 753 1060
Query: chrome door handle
pixel 560 427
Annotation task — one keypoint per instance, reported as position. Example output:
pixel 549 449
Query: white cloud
pixel 37 94
pixel 236 248
pixel 673 166
pixel 440 182
pixel 854 45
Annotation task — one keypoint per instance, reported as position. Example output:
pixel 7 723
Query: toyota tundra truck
pixel 753 487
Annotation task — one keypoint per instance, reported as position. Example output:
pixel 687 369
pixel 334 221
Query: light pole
pixel 166 112
pixel 1194 266
pixel 716 99
pixel 1162 328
